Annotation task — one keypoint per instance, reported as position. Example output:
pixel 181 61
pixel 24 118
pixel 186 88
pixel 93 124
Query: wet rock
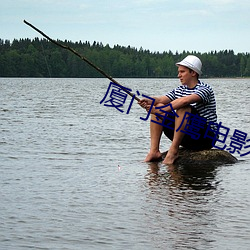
pixel 204 157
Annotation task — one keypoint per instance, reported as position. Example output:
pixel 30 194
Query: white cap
pixel 191 62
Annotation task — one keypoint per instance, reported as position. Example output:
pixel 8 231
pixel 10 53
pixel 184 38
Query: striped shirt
pixel 206 108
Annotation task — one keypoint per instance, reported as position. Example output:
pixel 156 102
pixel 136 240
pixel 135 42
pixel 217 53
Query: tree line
pixel 41 58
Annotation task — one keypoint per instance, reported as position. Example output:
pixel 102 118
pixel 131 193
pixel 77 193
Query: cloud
pixel 84 6
pixel 152 24
pixel 149 2
pixel 225 5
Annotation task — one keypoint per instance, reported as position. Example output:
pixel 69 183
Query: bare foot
pixel 153 156
pixel 170 157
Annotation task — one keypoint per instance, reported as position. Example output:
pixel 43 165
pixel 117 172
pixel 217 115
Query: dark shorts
pixel 188 142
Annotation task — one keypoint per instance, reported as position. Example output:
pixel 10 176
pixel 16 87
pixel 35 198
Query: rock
pixel 204 157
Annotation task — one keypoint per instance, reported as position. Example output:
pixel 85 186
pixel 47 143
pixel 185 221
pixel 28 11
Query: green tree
pixel 247 69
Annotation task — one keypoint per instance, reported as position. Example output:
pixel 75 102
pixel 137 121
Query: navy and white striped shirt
pixel 206 108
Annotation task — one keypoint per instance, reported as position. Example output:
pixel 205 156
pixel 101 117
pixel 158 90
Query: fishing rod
pixel 83 58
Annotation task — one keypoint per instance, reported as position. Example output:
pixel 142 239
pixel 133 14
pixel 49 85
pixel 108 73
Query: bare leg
pixel 173 151
pixel 155 137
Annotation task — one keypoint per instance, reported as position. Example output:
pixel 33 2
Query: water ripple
pixel 72 175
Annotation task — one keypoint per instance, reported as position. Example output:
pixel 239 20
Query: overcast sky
pixel 157 25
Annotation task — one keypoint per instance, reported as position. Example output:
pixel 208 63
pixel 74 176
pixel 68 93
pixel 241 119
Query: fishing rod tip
pixel 26 22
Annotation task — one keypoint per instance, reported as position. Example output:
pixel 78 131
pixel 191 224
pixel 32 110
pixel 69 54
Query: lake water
pixel 72 174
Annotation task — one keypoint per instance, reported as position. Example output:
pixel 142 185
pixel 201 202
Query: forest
pixel 41 58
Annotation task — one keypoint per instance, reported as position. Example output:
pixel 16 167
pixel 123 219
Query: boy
pixel 192 98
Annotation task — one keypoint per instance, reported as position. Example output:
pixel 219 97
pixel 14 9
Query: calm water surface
pixel 72 176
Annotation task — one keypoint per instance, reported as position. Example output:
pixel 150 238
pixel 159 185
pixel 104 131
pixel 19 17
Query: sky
pixel 155 25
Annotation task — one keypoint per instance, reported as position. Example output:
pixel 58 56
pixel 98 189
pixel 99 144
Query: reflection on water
pixel 184 194
pixel 190 204
pixel 191 177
